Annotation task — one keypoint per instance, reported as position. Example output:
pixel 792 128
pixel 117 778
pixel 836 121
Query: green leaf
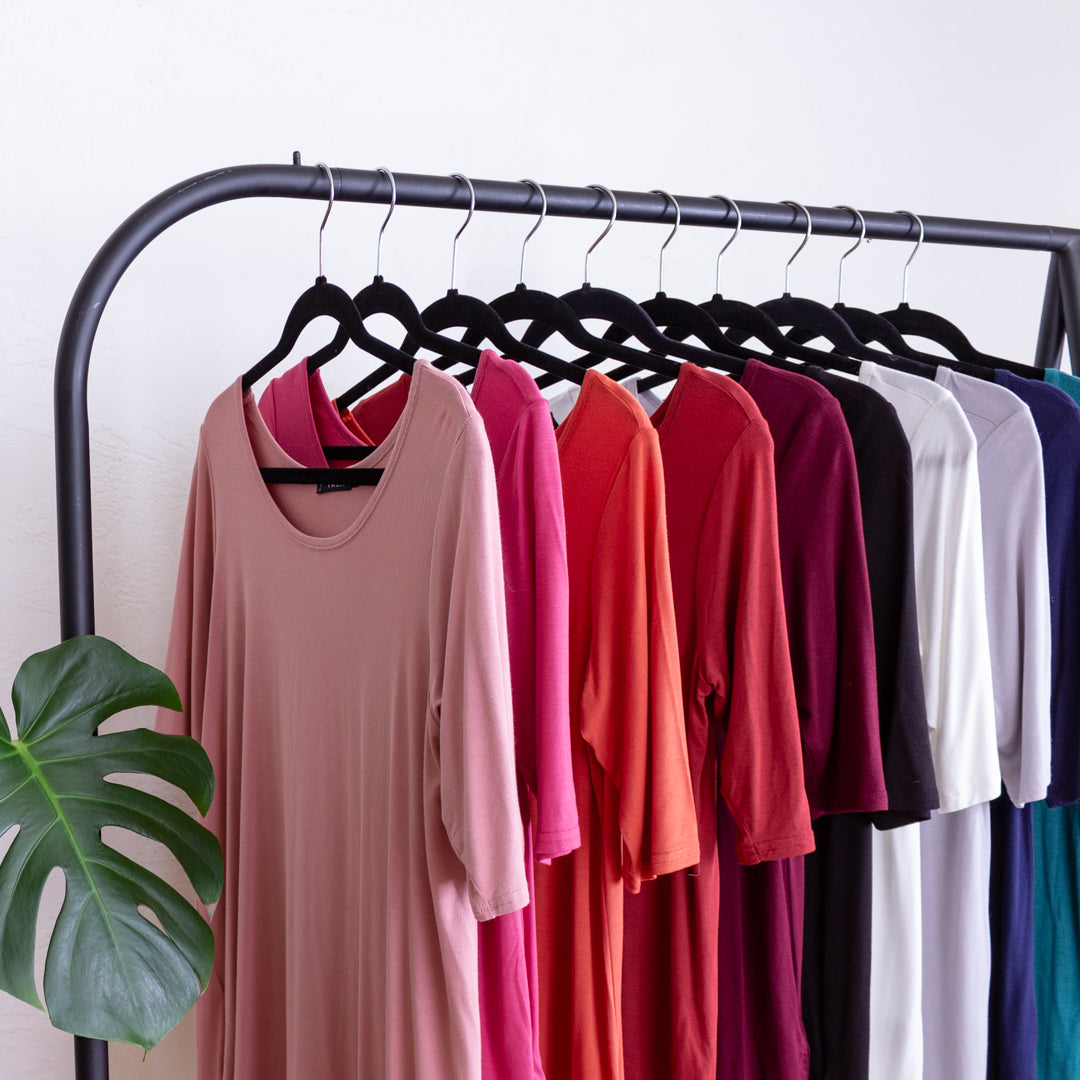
pixel 110 973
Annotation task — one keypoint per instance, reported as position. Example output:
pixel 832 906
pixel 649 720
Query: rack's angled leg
pixel 1069 279
pixel 1052 324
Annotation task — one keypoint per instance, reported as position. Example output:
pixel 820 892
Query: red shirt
pixel 741 719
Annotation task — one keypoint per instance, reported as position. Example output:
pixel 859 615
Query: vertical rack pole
pixel 1069 281
pixel 91 1059
pixel 1052 324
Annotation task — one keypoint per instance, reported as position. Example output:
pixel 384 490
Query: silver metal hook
pixel 614 213
pixel 472 208
pixel 862 237
pixel 329 206
pixel 805 241
pixel 386 220
pixel 732 238
pixel 543 214
pixel 918 244
pixel 671 235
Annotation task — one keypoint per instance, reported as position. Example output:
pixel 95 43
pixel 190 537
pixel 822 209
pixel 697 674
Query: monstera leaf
pixel 110 972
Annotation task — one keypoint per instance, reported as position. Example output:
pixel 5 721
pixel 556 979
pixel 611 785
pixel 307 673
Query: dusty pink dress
pixel 343 659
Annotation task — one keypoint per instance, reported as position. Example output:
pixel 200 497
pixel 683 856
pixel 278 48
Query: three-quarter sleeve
pixel 471 735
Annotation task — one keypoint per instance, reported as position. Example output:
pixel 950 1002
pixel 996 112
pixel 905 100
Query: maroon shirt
pixel 827 602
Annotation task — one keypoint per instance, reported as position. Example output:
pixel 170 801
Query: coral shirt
pixel 627 730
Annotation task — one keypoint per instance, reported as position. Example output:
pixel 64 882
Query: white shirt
pixel 931 883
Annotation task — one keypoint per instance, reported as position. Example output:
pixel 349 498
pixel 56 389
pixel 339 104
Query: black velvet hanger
pixel 818 320
pixel 914 322
pixel 461 311
pixel 865 325
pixel 669 311
pixel 936 328
pixel 613 307
pixel 320 300
pixel 736 315
pixel 382 297
pixel 809 315
pixel 868 327
pixel 523 304
pixel 332 300
pixel 324 299
pixel 534 305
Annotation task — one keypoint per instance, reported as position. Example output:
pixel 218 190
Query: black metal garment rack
pixel 1060 313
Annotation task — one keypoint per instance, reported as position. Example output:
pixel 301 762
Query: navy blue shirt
pixel 1012 1048
pixel 1057 418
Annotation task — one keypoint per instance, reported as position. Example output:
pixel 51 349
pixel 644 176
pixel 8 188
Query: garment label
pixel 322 489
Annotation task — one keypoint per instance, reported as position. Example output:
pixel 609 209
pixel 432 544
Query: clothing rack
pixel 1060 313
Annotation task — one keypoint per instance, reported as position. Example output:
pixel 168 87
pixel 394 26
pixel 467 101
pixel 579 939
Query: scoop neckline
pixel 389 451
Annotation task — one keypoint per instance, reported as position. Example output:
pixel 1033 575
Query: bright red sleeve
pixel 632 700
pixel 745 657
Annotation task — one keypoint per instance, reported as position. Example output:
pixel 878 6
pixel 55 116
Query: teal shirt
pixel 1069 383
pixel 1057 943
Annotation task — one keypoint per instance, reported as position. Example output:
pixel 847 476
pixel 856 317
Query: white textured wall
pixel 958 108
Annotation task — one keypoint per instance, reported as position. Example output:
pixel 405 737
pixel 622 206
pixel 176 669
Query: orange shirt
pixel 628 737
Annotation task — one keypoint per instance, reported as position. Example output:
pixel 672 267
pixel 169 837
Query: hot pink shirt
pixel 302 418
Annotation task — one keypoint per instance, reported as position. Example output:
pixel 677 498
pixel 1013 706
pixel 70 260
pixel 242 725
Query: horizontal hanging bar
pixel 417 189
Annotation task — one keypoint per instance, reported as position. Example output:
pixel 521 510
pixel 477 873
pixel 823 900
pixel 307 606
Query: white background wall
pixel 965 108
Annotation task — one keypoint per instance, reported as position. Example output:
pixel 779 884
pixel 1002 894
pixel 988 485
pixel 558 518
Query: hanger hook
pixel 329 206
pixel 862 236
pixel 540 221
pixel 671 235
pixel 472 208
pixel 805 241
pixel 386 220
pixel 918 244
pixel 732 238
pixel 614 213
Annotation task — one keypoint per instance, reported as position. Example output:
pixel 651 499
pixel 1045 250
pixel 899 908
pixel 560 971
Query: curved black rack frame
pixel 1060 314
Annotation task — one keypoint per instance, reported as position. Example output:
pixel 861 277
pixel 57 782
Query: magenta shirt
pixel 300 415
